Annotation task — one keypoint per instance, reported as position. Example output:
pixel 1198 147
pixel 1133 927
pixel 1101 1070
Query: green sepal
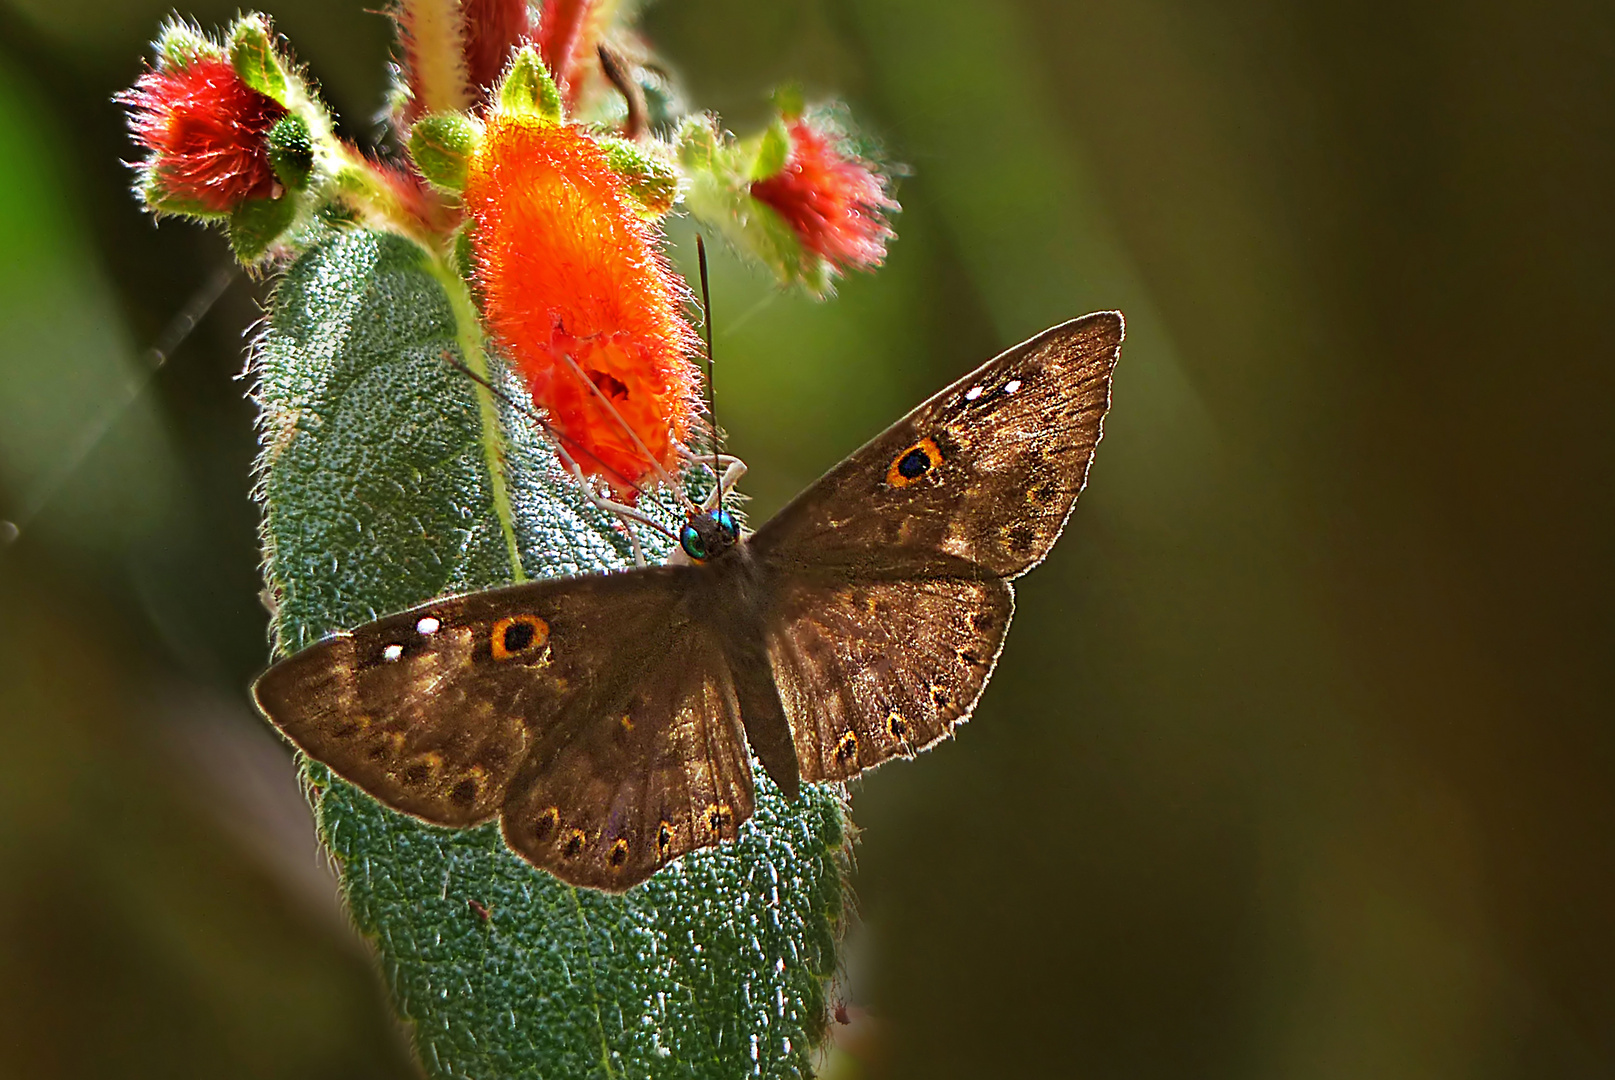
pixel 773 151
pixel 528 87
pixel 465 258
pixel 719 174
pixel 258 223
pixel 159 200
pixel 788 101
pixel 697 143
pixel 442 146
pixel 252 54
pixel 651 178
pixel 291 151
pixel 180 44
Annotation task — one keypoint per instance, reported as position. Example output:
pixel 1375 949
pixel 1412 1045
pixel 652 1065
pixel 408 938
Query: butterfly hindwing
pixel 872 670
pixel 977 480
pixel 661 772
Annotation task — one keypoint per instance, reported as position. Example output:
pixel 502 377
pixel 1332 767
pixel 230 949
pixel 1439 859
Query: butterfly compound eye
pixel 691 541
pixel 708 535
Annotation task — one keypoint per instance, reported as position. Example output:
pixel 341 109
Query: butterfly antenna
pixel 712 390
pixel 185 320
pixel 560 441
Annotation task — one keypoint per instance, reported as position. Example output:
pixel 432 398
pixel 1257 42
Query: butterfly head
pixel 706 536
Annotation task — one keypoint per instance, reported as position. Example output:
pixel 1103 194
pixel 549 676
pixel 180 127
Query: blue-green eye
pixel 726 521
pixel 690 540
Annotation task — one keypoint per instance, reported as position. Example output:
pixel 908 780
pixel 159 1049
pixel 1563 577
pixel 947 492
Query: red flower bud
pixel 205 129
pixel 569 269
pixel 834 204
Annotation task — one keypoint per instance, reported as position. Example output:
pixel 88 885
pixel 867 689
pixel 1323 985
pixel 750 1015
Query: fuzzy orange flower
pixel 569 270
pixel 205 129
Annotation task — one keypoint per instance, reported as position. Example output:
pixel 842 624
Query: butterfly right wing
pixel 658 769
pixel 500 702
pixel 978 480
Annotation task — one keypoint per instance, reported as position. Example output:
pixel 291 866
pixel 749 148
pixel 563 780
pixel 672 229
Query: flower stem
pixel 468 326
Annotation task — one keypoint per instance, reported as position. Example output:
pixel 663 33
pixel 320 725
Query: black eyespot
pixel 574 844
pixel 847 747
pixel 664 838
pixel 518 636
pixel 546 823
pixel 464 793
pixel 913 463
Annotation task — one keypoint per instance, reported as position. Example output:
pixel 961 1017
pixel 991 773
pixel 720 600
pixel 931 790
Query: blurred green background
pixel 1299 762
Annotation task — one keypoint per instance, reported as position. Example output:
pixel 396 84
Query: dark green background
pixel 1299 762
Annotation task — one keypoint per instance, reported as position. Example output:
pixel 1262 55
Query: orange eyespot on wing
pixel 518 634
pixel 913 463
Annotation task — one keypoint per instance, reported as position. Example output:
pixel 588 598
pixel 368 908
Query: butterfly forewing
pixel 977 480
pixel 873 670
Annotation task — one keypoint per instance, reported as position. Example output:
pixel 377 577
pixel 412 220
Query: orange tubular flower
pixel 834 204
pixel 568 270
pixel 205 129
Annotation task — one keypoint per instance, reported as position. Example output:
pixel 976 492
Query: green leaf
pixel 378 493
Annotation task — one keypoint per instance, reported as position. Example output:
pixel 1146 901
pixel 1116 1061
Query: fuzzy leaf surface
pixel 378 494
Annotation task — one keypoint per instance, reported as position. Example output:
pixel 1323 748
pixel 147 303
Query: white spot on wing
pixel 428 625
pixel 392 652
pixel 1012 386
pixel 973 393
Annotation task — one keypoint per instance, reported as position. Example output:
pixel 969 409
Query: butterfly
pixel 608 721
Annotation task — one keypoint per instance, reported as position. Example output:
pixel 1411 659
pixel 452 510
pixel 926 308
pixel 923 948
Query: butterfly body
pixel 605 720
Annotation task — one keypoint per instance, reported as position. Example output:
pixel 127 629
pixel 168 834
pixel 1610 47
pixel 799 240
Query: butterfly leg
pixel 731 476
pixel 734 468
pixel 625 514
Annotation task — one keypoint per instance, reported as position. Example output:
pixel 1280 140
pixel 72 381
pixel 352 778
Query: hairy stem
pixel 469 331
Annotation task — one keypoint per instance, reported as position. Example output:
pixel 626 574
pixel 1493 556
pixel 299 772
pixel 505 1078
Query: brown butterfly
pixel 605 719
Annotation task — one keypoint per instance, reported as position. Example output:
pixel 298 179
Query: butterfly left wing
pixel 872 670
pixel 978 480
pixel 434 709
pixel 890 576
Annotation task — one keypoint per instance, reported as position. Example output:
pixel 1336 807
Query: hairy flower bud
pixel 206 132
pixel 835 204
